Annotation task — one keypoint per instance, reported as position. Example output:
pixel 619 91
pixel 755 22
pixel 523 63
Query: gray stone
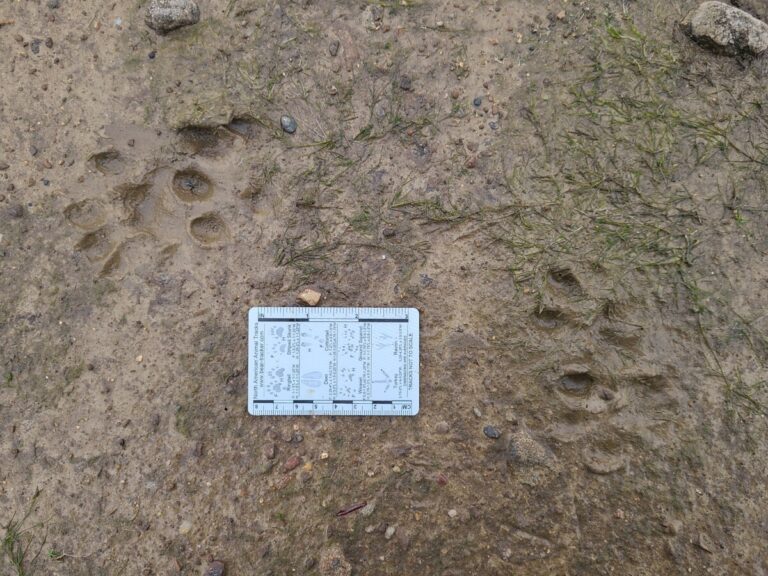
pixel 53 4
pixel 758 8
pixel 166 15
pixel 288 124
pixel 726 29
pixel 215 568
pixel 491 432
pixel 524 450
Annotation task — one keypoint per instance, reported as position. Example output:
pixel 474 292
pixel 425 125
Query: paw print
pixel 149 219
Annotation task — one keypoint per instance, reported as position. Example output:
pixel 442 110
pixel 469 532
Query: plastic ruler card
pixel 333 361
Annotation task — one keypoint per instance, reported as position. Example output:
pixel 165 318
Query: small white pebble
pixel 310 297
pixel 452 513
pixel 139 358
pixel 390 532
pixel 185 527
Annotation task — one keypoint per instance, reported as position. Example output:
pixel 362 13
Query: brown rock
pixel 291 463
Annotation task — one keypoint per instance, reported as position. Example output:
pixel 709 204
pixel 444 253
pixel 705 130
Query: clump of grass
pixel 18 543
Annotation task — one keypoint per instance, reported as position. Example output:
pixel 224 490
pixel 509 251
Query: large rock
pixel 758 8
pixel 166 15
pixel 726 29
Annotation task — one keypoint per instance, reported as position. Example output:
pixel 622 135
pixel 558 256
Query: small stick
pixel 350 509
pixel 6 22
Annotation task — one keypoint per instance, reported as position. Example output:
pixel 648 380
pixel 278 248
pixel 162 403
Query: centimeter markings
pixel 299 313
pixel 308 408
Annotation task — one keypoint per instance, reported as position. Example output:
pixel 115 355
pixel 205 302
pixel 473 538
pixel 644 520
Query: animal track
pixel 578 389
pixel 149 219
pixel 208 229
pixel 191 185
pixel 108 162
pixel 87 214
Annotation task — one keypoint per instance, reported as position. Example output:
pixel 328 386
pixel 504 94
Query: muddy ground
pixel 572 193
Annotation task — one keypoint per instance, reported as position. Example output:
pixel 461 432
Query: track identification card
pixel 333 361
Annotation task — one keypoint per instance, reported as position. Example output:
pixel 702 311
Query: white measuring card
pixel 333 361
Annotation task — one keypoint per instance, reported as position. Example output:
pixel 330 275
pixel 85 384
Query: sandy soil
pixel 572 193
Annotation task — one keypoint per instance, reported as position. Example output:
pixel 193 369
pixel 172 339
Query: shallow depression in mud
pixel 86 214
pixel 109 162
pixel 577 384
pixel 208 229
pixel 204 140
pixel 191 185
pixel 95 245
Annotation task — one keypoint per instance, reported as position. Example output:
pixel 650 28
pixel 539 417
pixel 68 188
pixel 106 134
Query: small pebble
pixel 310 297
pixel 53 4
pixel 35 46
pixel 452 513
pixel 390 532
pixel 705 543
pixel 406 83
pixel 491 432
pixel 215 568
pixel 442 427
pixel 288 124
pixel 455 93
pixel 166 15
pixel 673 526
pixel 291 463
pixel 185 527
pixel 476 412
pixel 368 509
pixel 493 125
pixel 49 42
pixel 152 54
pixel 477 102
pixel 333 47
